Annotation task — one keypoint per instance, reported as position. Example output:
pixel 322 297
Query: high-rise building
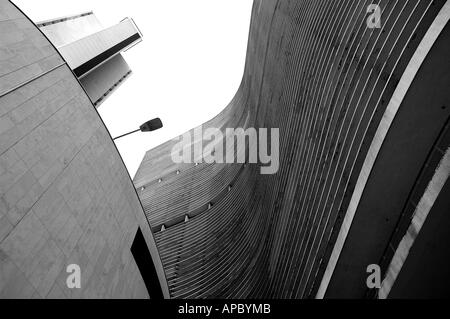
pixel 359 92
pixel 71 223
pixel 92 51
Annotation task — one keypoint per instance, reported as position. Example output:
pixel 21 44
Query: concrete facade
pixel 65 30
pixel 92 51
pixel 316 71
pixel 65 194
pixel 404 147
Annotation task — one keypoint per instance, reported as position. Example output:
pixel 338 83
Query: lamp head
pixel 151 125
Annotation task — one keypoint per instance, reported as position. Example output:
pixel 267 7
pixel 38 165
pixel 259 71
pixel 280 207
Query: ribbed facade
pixel 316 71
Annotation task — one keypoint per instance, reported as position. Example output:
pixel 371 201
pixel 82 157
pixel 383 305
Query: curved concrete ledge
pixel 388 117
pixel 428 200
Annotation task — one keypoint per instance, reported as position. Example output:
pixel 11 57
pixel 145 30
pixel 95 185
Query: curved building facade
pixel 65 195
pixel 363 118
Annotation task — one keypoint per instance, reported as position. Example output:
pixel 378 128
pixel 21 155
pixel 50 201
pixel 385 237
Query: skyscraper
pixel 92 51
pixel 359 92
pixel 68 207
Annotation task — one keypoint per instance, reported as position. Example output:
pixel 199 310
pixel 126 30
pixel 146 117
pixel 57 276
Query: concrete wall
pixel 62 31
pixel 419 266
pixel 93 52
pixel 65 195
pixel 411 131
pixel 105 79
pixel 316 71
pixel 87 48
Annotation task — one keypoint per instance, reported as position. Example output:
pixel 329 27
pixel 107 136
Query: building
pixel 65 195
pixel 92 51
pixel 363 113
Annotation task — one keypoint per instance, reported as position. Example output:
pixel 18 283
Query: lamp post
pixel 149 126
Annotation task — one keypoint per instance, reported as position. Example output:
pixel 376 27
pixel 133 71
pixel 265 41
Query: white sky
pixel 186 70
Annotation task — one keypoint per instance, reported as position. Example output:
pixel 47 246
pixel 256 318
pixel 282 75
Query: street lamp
pixel 149 126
